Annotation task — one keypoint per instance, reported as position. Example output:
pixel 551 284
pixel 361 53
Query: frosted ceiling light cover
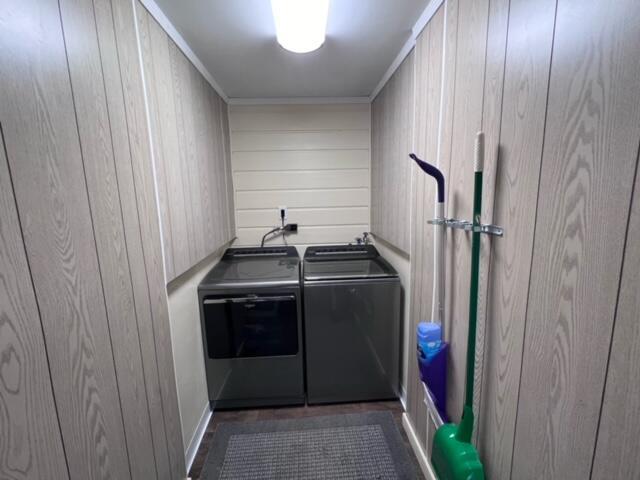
pixel 300 24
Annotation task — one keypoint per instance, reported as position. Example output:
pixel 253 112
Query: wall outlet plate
pixel 286 212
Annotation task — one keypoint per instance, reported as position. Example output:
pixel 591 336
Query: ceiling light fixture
pixel 300 24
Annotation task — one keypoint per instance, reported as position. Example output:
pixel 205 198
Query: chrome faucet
pixel 365 239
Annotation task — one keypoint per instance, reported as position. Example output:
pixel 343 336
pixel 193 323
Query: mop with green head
pixel 453 456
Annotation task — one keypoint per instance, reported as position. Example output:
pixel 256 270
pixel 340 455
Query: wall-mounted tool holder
pixel 468 226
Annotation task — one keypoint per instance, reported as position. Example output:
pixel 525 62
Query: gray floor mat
pixel 338 447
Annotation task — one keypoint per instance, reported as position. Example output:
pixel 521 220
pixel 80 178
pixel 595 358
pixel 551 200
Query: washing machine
pixel 352 315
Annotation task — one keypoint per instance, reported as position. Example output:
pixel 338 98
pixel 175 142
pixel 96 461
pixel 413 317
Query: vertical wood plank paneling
pixel 87 82
pixel 154 92
pixel 223 139
pixel 226 142
pixel 418 252
pixel 50 190
pixel 200 200
pixel 616 455
pixel 141 157
pixel 186 128
pixel 217 112
pixel 226 188
pixel 392 114
pixel 445 140
pixel 434 73
pixel 491 122
pixel 588 164
pixel 467 120
pixel 527 66
pixel 419 211
pixel 428 75
pixel 175 62
pixel 206 165
pixel 191 165
pixel 168 133
pixel 122 158
pixel 376 153
pixel 215 167
pixel 218 208
pixel 30 441
pixel 593 128
pixel 187 133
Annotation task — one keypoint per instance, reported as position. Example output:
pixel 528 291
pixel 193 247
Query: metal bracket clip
pixel 468 226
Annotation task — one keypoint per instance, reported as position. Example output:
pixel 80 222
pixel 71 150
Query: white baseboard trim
pixel 403 398
pixel 421 455
pixel 196 439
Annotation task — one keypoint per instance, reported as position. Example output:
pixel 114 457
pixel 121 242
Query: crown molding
pixel 424 18
pixel 296 100
pixel 157 13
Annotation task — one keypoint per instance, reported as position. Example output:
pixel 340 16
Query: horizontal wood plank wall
pixel 187 123
pixel 392 123
pixel 31 442
pixel 313 159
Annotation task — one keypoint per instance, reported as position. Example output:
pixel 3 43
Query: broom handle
pixel 475 267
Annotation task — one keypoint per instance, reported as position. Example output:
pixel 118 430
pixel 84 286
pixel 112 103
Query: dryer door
pixel 251 326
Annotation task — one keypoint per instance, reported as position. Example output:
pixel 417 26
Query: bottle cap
pixel 430 332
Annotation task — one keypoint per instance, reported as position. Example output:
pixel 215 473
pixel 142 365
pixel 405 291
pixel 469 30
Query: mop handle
pixel 478 163
pixel 437 312
pixel 433 172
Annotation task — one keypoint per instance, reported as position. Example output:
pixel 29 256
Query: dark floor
pixel 251 415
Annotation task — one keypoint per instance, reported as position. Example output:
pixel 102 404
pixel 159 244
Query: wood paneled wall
pixel 391 140
pixel 554 85
pixel 191 151
pixel 30 437
pixel 428 78
pixel 87 382
pixel 313 159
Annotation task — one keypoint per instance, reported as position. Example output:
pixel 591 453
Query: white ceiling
pixel 235 40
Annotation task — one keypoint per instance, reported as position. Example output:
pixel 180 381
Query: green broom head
pixel 452 455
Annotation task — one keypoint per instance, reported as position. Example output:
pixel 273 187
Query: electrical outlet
pixel 286 213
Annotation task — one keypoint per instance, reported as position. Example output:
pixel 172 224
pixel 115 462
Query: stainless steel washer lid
pixel 255 266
